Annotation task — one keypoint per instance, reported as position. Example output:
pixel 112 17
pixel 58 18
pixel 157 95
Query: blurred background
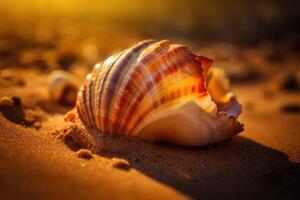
pixel 257 43
pixel 247 38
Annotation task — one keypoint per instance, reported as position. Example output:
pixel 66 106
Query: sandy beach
pixel 256 43
pixel 38 163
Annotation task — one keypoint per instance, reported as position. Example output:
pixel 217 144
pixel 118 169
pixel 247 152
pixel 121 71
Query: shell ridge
pixel 102 85
pixel 85 101
pixel 170 65
pixel 157 50
pixel 91 100
pixel 98 72
pixel 112 83
pixel 144 87
pixel 80 106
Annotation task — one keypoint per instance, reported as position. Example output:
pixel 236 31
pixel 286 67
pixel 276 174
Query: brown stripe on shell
pixel 110 84
pixel 150 67
pixel 108 63
pixel 79 106
pixel 86 111
pixel 129 86
pixel 167 98
pixel 178 59
pixel 85 101
pixel 97 74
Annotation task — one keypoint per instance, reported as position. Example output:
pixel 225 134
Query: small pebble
pixel 6 74
pixel 16 100
pixel 11 78
pixel 70 117
pixel 59 136
pixel 10 101
pixel 67 59
pixel 121 164
pixel 13 110
pixel 6 101
pixel 292 108
pixel 85 154
pixel 291 82
pixel 37 125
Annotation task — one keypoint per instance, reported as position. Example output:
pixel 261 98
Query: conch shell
pixel 159 91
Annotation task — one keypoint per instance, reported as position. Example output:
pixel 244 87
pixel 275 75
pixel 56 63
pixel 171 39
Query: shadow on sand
pixel 239 168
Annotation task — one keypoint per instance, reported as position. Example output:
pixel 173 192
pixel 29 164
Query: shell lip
pixel 181 126
pixel 232 108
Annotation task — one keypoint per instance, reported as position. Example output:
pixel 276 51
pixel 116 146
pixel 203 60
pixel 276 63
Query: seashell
pixel 160 91
pixel 63 88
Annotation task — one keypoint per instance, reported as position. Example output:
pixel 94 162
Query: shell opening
pixel 188 123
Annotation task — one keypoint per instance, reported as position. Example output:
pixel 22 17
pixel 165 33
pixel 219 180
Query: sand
pixel 39 162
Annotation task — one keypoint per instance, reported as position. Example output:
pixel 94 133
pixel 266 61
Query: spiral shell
pixel 160 92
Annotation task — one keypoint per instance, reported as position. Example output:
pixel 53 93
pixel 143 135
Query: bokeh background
pixel 233 20
pixel 256 42
pixel 247 38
